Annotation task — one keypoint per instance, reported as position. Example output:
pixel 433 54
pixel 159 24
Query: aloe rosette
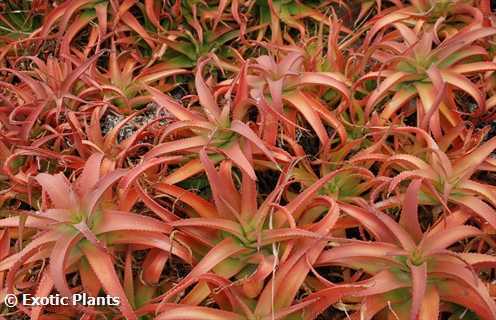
pixel 81 229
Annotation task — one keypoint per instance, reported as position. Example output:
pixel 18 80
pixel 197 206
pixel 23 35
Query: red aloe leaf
pixel 242 92
pixel 66 11
pixel 202 290
pixel 34 85
pixel 245 131
pixel 170 105
pixel 456 292
pixel 213 223
pixel 90 282
pixel 91 199
pixel 469 282
pixel 453 61
pixel 223 201
pixel 74 28
pixel 377 227
pixel 409 161
pixel 112 220
pixel 400 98
pixel 419 285
pixel 76 74
pixel 430 304
pixel 128 277
pixel 103 267
pixel 234 152
pixel 186 171
pixel 58 259
pixel 59 190
pixel 134 24
pixel 254 283
pixel 220 10
pixel 382 21
pixel 164 213
pixel 285 234
pixel 158 74
pixel 294 269
pixel 409 215
pixel 329 116
pixel 298 203
pixel 201 206
pixel 478 259
pixel 4 244
pixel 154 265
pixel 130 178
pixel 379 250
pixel 248 193
pixel 435 242
pixel 215 257
pixel 30 222
pixel 101 13
pixel 94 131
pixel 207 100
pixel 90 175
pixel 78 133
pixel 283 313
pixel 431 117
pixel 478 188
pixel 152 14
pixel 460 40
pixel 382 282
pixel 173 311
pixel 466 165
pixel 464 84
pixel 229 297
pixel 125 5
pixel 88 234
pixel 328 79
pixel 457 218
pixel 44 288
pixel 383 88
pixel 400 234
pixel 474 67
pixel 327 297
pixel 478 208
pixel 370 306
pixel 152 240
pixel 188 124
pixel 15 261
pixel 223 250
pixel 410 36
pixel 299 100
pixel 177 145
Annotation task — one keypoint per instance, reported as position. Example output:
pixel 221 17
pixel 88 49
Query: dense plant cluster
pixel 249 159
